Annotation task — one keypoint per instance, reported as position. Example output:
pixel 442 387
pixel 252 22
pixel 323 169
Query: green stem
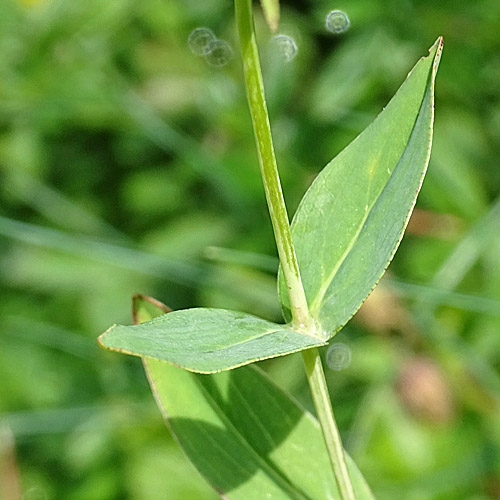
pixel 324 411
pixel 268 166
pixel 301 318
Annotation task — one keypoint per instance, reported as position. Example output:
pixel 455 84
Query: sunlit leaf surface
pixel 207 340
pixel 353 216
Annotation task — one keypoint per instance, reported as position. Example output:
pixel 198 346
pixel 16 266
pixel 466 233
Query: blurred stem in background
pixel 10 487
pixel 301 318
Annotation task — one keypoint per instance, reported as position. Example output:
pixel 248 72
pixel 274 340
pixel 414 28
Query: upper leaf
pixel 248 438
pixel 352 218
pixel 207 340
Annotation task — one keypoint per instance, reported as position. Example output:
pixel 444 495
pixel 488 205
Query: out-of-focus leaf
pixel 247 437
pixel 352 218
pixel 146 308
pixel 271 10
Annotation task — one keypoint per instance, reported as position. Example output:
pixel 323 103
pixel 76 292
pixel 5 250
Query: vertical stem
pixel 268 166
pixel 298 304
pixel 324 410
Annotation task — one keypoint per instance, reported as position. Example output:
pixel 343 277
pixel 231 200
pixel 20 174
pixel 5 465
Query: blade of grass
pixel 177 271
pixel 58 208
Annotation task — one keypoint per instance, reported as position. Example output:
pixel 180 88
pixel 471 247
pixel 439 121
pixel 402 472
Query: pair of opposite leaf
pixel 345 232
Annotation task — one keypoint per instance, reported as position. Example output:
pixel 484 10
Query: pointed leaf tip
pixel 145 308
pixel 271 10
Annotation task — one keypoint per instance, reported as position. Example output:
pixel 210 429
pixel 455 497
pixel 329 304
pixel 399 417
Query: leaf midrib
pixel 277 328
pixel 280 481
pixel 317 302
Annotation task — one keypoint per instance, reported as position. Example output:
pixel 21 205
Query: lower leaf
pixel 247 437
pixel 207 340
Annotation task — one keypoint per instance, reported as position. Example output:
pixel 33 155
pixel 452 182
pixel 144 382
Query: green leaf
pixel 207 340
pixel 247 437
pixel 352 218
pixel 345 232
pixel 271 10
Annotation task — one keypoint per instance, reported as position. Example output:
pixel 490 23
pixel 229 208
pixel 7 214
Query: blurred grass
pixel 127 164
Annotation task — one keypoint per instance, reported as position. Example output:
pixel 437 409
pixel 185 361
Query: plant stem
pixel 301 318
pixel 268 166
pixel 324 411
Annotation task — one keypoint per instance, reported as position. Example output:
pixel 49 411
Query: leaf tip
pixel 139 301
pixel 437 49
pixel 100 339
pixel 273 24
pixel 440 45
pixel 271 10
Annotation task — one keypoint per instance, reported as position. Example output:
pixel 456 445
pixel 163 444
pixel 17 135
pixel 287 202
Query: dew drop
pixel 286 46
pixel 200 41
pixel 220 54
pixel 337 22
pixel 338 356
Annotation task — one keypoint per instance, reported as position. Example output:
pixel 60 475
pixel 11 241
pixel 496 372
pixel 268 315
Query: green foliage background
pixel 127 164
